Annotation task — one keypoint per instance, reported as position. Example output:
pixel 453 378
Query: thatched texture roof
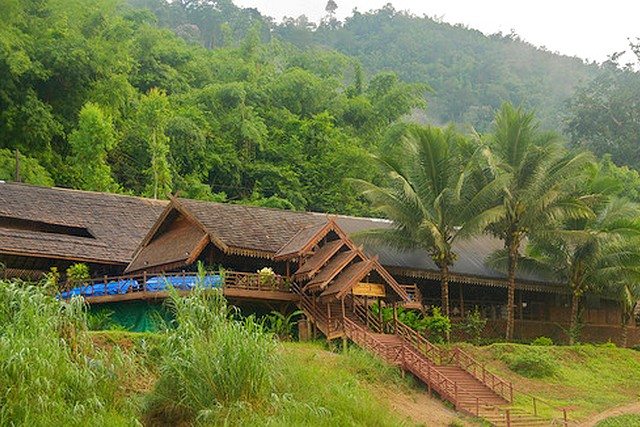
pixel 73 225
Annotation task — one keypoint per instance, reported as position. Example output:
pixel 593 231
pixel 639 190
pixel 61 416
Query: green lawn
pixel 629 420
pixel 586 378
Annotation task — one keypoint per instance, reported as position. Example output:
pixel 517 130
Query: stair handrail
pixel 500 386
pixel 434 353
pixel 332 324
pixel 366 314
pixel 368 341
pixel 412 360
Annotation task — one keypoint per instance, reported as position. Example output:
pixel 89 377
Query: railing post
pixel 144 281
pixel 455 391
pixel 484 374
pixel 477 406
pixel 535 407
pixel 510 392
pixel 565 419
pixel 508 415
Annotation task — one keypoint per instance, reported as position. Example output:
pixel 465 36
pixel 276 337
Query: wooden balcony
pixel 234 284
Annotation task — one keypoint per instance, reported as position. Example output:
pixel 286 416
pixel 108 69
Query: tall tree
pixel 432 197
pixel 153 115
pixel 589 254
pixel 90 144
pixel 537 172
pixel 604 115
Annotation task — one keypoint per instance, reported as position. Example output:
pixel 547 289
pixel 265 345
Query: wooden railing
pixel 366 316
pixel 363 337
pixel 134 283
pixel 435 354
pixel 256 281
pixel 492 381
pixel 330 325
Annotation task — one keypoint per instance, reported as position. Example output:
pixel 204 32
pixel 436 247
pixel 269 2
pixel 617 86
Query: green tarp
pixel 135 316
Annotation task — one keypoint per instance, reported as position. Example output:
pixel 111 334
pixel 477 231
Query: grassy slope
pixel 313 387
pixel 587 378
pixel 631 420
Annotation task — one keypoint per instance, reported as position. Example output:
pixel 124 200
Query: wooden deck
pixel 237 285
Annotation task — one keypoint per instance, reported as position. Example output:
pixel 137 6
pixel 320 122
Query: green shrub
pixel 50 371
pixel 439 326
pixel 473 325
pixel 532 364
pixel 542 341
pixel 280 325
pixel 78 272
pixel 211 360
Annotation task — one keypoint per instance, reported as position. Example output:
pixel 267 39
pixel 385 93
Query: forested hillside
pixel 218 102
pixel 471 73
pixel 95 95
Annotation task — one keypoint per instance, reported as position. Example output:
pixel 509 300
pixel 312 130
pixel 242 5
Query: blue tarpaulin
pixel 153 284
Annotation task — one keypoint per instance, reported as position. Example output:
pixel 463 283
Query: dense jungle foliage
pixel 217 102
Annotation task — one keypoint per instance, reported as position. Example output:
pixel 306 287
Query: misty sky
pixel 589 29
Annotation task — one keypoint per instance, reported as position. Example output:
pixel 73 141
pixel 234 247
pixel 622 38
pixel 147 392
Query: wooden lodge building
pixel 308 253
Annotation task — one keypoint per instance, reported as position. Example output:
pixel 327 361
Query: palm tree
pixel 591 254
pixel 432 196
pixel 537 172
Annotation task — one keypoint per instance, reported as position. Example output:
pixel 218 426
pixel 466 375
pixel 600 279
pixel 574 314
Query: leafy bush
pixel 281 325
pixel 542 341
pixel 211 360
pixel 50 371
pixel 438 325
pixel 473 325
pixel 78 272
pixel 532 364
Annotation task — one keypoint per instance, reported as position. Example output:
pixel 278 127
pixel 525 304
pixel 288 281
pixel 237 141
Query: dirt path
pixel 632 408
pixel 420 408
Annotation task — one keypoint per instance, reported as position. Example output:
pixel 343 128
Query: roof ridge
pixel 75 190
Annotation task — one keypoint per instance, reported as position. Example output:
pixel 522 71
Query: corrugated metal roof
pixel 472 253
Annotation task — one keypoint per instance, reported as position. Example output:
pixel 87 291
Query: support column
pixel 366 308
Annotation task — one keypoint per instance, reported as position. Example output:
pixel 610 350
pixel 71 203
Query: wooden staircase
pixel 452 374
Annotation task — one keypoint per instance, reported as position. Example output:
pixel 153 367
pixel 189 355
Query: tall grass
pixel 50 372
pixel 212 361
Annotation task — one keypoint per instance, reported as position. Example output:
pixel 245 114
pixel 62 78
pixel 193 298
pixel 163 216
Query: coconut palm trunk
pixel 573 323
pixel 511 291
pixel 444 289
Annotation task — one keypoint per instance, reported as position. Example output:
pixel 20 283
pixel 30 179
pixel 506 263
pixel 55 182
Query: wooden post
pixel 144 281
pixel 535 407
pixel 565 419
pixel 344 311
pixel 380 319
pixel 508 414
pixel 366 309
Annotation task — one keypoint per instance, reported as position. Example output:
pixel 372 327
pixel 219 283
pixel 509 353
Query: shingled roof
pixel 71 224
pixel 470 267
pixel 249 229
